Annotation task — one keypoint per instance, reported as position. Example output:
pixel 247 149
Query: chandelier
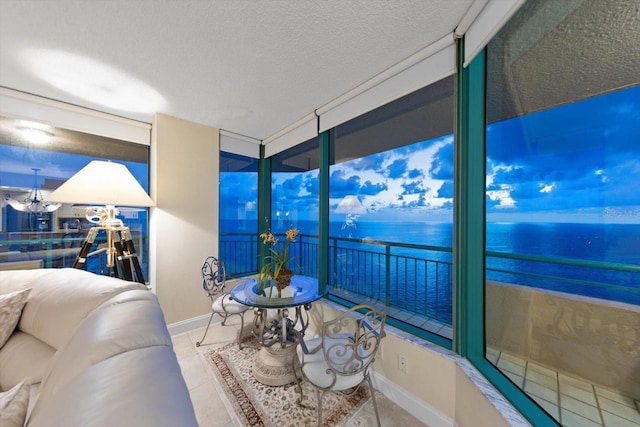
pixel 34 203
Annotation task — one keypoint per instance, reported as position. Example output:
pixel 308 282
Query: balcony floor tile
pixel 570 419
pixel 579 403
pixel 619 409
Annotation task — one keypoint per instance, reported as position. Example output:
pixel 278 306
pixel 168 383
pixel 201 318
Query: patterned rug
pixel 256 404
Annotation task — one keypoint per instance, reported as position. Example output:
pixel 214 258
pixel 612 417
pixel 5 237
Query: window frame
pixel 469 243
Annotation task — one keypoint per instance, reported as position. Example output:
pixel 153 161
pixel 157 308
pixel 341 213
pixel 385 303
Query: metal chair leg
pixel 373 397
pixel 225 318
pixel 319 406
pixel 241 330
pixel 206 330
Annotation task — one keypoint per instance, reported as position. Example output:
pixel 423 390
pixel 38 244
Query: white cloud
pixel 503 197
pixel 547 188
pixel 393 197
pixel 602 176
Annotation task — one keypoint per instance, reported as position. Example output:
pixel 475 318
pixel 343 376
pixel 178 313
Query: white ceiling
pixel 248 67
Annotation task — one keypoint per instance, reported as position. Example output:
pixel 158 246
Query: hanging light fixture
pixel 34 203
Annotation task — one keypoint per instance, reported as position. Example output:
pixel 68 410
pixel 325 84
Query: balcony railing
pixel 58 250
pixel 417 279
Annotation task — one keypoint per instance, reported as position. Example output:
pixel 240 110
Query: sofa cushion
pixel 13 405
pixel 121 349
pixel 61 298
pixel 11 306
pixel 24 357
pixel 141 387
pixel 130 320
pixel 15 280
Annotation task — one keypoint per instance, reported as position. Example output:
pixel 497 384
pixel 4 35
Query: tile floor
pixel 211 409
pixel 570 400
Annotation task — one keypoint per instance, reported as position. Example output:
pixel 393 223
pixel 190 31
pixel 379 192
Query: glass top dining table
pixel 273 363
pixel 302 290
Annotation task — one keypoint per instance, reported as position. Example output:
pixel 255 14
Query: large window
pixel 238 210
pixel 563 208
pixel 390 209
pixel 295 202
pixel 38 158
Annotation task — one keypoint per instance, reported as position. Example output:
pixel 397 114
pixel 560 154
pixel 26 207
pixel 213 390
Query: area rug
pixel 256 404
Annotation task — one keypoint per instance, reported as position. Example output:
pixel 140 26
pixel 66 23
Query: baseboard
pixel 190 324
pixel 407 401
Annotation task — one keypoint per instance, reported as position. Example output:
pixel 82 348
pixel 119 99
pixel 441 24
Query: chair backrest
pixel 213 276
pixel 350 341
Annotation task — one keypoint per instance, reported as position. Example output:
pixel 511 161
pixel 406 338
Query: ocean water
pixel 580 245
pixel 619 243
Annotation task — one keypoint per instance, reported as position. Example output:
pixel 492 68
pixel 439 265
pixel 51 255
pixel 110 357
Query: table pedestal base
pixel 273 365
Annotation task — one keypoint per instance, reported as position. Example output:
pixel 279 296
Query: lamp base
pixel 121 252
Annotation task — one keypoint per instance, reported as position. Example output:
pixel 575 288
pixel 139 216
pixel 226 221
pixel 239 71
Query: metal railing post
pixel 387 275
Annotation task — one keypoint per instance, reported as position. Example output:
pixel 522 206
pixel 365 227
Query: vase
pixel 283 279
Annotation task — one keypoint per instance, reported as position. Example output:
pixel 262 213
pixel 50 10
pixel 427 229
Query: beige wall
pixel 183 226
pixel 473 409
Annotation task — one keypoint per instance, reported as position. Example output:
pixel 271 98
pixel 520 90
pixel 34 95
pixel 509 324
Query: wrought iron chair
pixel 213 282
pixel 339 360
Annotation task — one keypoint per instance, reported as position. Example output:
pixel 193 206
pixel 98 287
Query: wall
pixel 183 226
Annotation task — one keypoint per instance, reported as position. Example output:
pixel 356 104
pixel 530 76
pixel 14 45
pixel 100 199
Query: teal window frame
pixel 469 230
pixel 469 233
pixel 264 201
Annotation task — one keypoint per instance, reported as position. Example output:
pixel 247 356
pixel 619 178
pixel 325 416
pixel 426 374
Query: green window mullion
pixel 264 202
pixel 469 233
pixel 469 190
pixel 323 226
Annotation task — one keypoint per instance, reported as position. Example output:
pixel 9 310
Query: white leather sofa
pixel 96 350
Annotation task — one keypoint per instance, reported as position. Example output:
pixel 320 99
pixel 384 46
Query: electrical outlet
pixel 403 363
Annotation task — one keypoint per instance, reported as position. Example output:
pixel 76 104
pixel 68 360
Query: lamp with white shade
pixel 350 205
pixel 104 185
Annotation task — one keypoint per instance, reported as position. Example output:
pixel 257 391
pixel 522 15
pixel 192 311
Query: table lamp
pixel 103 185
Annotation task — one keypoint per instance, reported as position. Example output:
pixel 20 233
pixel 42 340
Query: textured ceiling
pixel 249 67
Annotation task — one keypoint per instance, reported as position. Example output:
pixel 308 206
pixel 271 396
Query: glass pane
pixel 238 210
pixel 563 208
pixel 295 204
pixel 37 159
pixel 390 208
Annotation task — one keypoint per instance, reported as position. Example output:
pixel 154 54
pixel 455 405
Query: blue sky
pixel 575 163
pixel 16 165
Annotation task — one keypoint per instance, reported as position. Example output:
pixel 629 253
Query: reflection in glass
pixel 563 209
pixel 53 239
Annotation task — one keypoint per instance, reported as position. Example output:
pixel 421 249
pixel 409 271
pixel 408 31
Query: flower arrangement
pixel 275 266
